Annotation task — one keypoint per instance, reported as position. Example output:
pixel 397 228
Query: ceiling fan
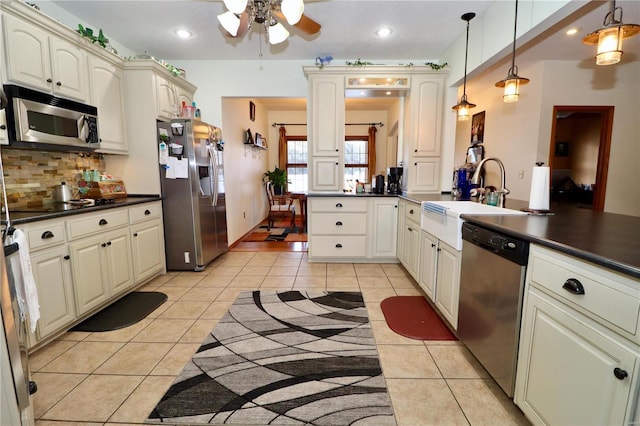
pixel 241 14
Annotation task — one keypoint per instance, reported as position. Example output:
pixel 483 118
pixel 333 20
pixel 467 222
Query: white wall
pixel 519 133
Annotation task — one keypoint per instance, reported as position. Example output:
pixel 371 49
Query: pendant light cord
pixel 513 53
pixel 466 53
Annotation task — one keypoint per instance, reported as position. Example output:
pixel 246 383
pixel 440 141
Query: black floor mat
pixel 125 312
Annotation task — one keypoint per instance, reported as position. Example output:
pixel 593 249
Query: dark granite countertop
pixel 350 194
pixel 53 212
pixel 606 239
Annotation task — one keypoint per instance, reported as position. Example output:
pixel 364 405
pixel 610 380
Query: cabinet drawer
pixel 97 222
pixel 337 204
pixel 412 212
pixel 45 236
pixel 338 224
pixel 339 246
pixel 608 297
pixel 144 212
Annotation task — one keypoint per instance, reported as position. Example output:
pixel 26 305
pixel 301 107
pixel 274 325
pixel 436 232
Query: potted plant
pixel 278 177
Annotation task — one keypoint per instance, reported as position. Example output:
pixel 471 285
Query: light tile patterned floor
pixel 118 377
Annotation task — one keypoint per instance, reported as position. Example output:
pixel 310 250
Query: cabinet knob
pixel 415 150
pixel 67 257
pixel 338 223
pixel 415 164
pixel 411 211
pixel 574 286
pixel 339 205
pixel 135 235
pixel 58 83
pixel 337 164
pixel 108 243
pixel 46 235
pixel 338 245
pixel 49 80
pixel 103 245
pixel 336 149
pixel 103 222
pixel 410 230
pixel 33 387
pixel 620 373
pixel 432 245
pixel 147 212
pixel 3 127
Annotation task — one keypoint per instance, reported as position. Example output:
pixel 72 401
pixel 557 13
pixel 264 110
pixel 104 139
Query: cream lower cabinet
pixel 440 275
pixel 352 229
pixel 411 238
pixel 51 266
pixel 428 264
pixel 147 240
pixel 384 232
pixel 102 268
pixel 577 362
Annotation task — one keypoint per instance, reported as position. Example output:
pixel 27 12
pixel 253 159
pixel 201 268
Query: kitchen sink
pixel 442 218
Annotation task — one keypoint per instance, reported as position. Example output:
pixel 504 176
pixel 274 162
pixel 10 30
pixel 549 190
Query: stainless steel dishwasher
pixel 491 292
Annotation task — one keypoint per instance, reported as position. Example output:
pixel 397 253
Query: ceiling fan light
pixel 229 22
pixel 292 10
pixel 236 6
pixel 277 33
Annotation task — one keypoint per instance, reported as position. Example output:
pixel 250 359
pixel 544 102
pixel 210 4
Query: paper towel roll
pixel 539 195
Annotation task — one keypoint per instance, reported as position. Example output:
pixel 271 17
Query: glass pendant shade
pixel 609 37
pixel 236 6
pixel 609 46
pixel 277 33
pixel 229 22
pixel 511 90
pixel 463 113
pixel 292 10
pixel 512 83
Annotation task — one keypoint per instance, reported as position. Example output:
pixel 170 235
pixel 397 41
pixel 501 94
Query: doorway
pixel 579 154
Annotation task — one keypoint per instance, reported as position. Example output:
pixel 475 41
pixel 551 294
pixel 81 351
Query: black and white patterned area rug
pixel 283 358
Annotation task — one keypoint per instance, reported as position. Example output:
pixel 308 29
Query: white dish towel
pixel 26 290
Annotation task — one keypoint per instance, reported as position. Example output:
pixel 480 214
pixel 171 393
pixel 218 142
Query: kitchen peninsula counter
pixel 606 239
pixel 22 217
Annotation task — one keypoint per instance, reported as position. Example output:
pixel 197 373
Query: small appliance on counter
pixel 379 185
pixel 394 180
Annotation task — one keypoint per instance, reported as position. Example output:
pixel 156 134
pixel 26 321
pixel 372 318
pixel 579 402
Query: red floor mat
pixel 413 317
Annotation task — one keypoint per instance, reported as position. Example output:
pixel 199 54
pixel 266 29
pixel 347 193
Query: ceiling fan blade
pixel 242 28
pixel 306 24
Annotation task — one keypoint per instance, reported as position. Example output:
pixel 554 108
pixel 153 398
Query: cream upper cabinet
pixel 325 127
pixel 169 97
pixel 423 133
pixel 107 94
pixel 43 61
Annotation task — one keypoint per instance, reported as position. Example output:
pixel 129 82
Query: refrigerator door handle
pixel 214 176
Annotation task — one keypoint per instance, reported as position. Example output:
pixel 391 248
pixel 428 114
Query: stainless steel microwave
pixel 37 120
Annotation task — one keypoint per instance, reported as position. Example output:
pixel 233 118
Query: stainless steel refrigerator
pixel 193 191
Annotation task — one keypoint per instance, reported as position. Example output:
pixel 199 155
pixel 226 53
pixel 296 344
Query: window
pixel 356 160
pixel 297 171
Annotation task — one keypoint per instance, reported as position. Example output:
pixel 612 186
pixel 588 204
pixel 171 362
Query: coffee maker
pixel 394 180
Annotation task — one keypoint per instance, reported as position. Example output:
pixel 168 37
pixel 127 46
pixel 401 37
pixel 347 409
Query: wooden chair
pixel 280 207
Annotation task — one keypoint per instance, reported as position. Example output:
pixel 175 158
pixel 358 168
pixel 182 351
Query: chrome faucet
pixel 475 180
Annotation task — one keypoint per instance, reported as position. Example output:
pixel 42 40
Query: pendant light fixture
pixel 462 108
pixel 513 81
pixel 609 37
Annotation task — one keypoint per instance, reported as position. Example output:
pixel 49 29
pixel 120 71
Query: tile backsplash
pixel 31 176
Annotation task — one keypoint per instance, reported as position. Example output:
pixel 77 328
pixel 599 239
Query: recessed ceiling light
pixel 384 32
pixel 184 34
pixel 388 93
pixel 572 31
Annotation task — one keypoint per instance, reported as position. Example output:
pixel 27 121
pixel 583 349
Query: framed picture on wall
pixel 477 128
pixel 248 139
pixel 562 149
pixel 252 111
pixel 260 141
